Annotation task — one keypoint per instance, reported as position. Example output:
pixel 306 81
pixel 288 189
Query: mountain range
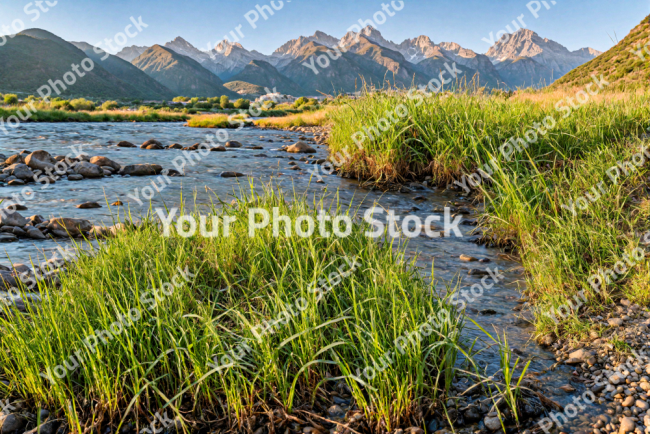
pixel 312 65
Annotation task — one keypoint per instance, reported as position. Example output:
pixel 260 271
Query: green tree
pixel 225 101
pixel 11 99
pixel 242 103
pixel 110 105
pixel 194 101
pixel 82 104
pixel 180 99
pixel 300 102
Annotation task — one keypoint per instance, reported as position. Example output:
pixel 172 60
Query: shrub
pixel 80 104
pixel 59 104
pixel 11 99
pixel 225 101
pixel 268 105
pixel 203 105
pixel 242 103
pixel 300 102
pixel 110 105
pixel 180 99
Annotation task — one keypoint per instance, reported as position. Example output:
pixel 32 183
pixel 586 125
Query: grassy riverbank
pixel 316 118
pixel 528 198
pixel 95 116
pixel 161 360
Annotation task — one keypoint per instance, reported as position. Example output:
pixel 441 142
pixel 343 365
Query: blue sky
pixel 573 23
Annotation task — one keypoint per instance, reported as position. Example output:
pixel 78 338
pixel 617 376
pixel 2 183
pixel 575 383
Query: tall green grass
pixel 447 136
pixel 162 360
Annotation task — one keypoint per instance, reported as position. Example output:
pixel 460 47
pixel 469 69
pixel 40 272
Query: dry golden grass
pixel 316 118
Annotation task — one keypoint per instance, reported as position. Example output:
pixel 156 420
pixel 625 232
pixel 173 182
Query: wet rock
pixel 10 423
pixel 19 232
pixel 16 182
pixel 40 160
pixel 47 427
pixel 88 170
pixel 36 219
pixel 89 205
pixel 20 171
pixel 643 405
pixel 34 233
pixel 75 177
pixel 14 159
pixel 141 170
pixel 218 149
pixel 117 203
pixel 124 144
pixel 472 414
pixel 12 218
pixel 69 226
pixel 467 258
pixel 488 312
pixel 231 174
pixel 7 237
pixel 175 146
pixel 152 144
pixel 103 161
pixel 301 148
pixel 477 272
pixel 233 144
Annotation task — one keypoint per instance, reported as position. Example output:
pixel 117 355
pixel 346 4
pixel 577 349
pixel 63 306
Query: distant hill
pixel 246 89
pixel 33 57
pixel 620 66
pixel 147 87
pixel 263 74
pixel 179 73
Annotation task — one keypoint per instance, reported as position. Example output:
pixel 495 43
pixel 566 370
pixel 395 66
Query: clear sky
pixel 573 23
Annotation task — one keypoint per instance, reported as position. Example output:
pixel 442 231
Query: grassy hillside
pixel 29 62
pixel 181 74
pixel 243 88
pixel 265 75
pixel 147 87
pixel 622 68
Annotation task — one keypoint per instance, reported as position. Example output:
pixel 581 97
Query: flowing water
pixel 496 309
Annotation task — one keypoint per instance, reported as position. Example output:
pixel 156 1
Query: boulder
pixel 152 144
pixel 103 161
pixel 34 233
pixel 124 144
pixel 16 182
pixel 231 174
pixel 88 170
pixel 141 170
pixel 20 171
pixel 16 158
pixel 301 148
pixel 75 177
pixel 218 149
pixel 40 160
pixel 175 146
pixel 12 218
pixel 69 226
pixel 233 144
pixel 89 205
